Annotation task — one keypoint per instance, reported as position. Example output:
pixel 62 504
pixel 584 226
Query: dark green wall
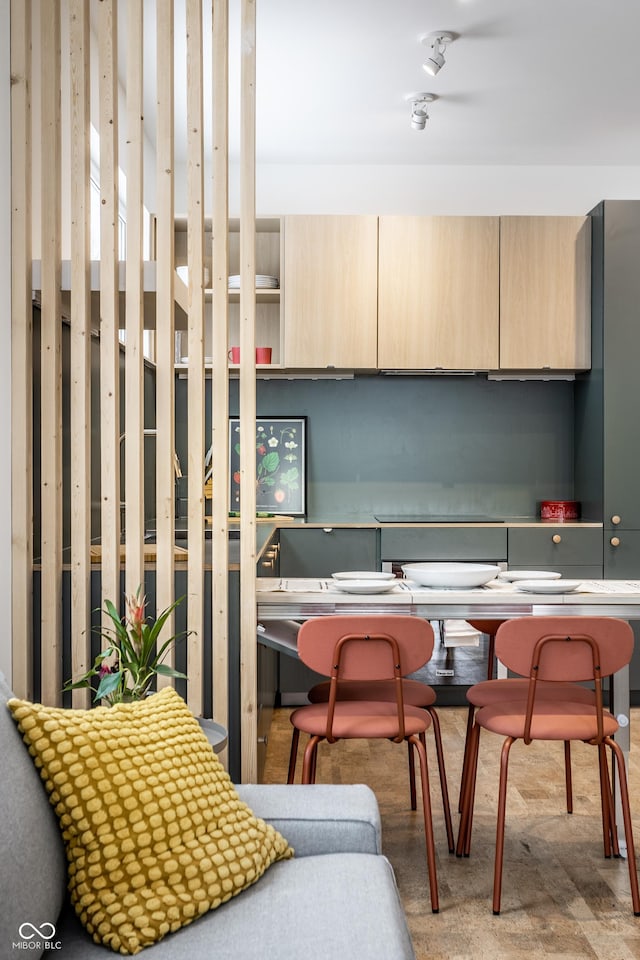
pixel 422 444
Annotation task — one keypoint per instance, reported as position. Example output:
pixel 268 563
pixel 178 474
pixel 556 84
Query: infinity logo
pixel 37 931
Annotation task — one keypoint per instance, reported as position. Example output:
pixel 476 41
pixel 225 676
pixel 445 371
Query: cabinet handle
pixel 327 529
pixel 615 541
pixel 556 538
pixel 263 740
pixel 615 519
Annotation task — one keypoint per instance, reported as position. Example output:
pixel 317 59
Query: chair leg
pixel 502 804
pixel 609 827
pixel 468 794
pixel 309 762
pixel 295 737
pixel 491 654
pixel 443 777
pixel 567 775
pixel 428 821
pixel 628 829
pixel 465 753
pixel 412 777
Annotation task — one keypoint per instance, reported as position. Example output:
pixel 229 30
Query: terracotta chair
pixel 417 694
pixel 492 691
pixel 366 649
pixel 561 651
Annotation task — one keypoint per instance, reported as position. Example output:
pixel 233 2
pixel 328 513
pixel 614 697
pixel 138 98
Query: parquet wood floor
pixel 561 898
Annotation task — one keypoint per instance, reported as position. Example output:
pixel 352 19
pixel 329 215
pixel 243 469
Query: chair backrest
pixel 364 657
pixel 567 654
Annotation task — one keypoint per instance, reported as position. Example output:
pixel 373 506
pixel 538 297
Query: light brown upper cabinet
pixel 330 291
pixel 545 299
pixel 438 304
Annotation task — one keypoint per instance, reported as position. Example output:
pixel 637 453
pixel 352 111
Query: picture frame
pixel 280 465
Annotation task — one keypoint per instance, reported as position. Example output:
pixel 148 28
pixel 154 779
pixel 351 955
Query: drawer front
pixel 443 543
pixel 553 546
pixel 320 552
pixel 622 559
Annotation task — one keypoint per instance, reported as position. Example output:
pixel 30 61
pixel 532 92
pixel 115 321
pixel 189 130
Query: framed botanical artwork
pixel 280 465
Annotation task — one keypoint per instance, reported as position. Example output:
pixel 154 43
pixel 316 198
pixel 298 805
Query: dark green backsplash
pixel 440 445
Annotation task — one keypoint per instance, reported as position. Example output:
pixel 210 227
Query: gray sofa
pixel 336 898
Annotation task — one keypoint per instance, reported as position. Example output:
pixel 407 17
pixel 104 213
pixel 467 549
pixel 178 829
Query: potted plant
pixel 134 656
pixel 134 653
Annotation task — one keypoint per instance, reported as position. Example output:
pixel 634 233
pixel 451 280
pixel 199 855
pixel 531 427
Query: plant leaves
pixel 270 462
pixel 109 683
pixel 166 671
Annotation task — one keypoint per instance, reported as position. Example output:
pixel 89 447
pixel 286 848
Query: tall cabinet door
pixel 438 293
pixel 330 291
pixel 545 298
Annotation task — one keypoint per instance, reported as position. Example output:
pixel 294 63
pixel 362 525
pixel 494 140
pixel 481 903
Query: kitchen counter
pixel 508 522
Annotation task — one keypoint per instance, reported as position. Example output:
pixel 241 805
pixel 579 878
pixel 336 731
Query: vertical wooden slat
pixel 109 303
pixel 21 350
pixel 165 347
pixel 50 356
pixel 134 308
pixel 195 399
pixel 248 644
pixel 80 386
pixel 220 345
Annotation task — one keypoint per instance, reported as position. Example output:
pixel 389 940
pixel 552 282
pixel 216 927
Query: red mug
pixel 263 354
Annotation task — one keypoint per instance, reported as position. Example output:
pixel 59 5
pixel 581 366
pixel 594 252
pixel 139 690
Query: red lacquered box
pixel 560 510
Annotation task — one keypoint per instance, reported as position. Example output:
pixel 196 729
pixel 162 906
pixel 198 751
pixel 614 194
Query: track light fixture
pixel 419 103
pixel 437 42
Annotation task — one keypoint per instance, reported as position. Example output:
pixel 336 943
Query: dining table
pixel 303 598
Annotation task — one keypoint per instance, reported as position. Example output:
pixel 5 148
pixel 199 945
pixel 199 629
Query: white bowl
pixel 450 576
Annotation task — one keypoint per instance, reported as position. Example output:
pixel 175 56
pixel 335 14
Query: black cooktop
pixel 434 518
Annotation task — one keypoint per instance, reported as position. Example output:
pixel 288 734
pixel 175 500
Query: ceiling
pixel 525 82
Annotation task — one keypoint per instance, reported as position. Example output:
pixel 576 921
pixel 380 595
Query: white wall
pixel 5 335
pixel 437 190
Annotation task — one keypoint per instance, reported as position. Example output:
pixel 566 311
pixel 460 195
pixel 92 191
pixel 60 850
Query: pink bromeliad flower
pixel 135 614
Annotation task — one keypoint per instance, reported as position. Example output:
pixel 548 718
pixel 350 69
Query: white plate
pixel 512 575
pixel 548 586
pixel 362 575
pixel 364 586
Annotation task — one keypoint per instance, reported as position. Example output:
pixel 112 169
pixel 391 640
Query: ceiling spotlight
pixel 419 114
pixel 437 43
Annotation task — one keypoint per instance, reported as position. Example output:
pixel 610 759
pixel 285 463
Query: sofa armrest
pixel 319 818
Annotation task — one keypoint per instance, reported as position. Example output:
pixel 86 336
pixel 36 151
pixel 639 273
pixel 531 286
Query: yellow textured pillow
pixel 155 832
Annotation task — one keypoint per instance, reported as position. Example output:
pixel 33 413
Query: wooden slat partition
pixel 109 301
pixel 82 322
pixel 195 399
pixel 50 357
pixel 165 346
pixel 80 386
pixel 220 346
pixel 21 351
pixel 248 644
pixel 134 309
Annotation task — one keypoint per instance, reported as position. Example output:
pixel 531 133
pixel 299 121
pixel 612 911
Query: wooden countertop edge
pixel 495 525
